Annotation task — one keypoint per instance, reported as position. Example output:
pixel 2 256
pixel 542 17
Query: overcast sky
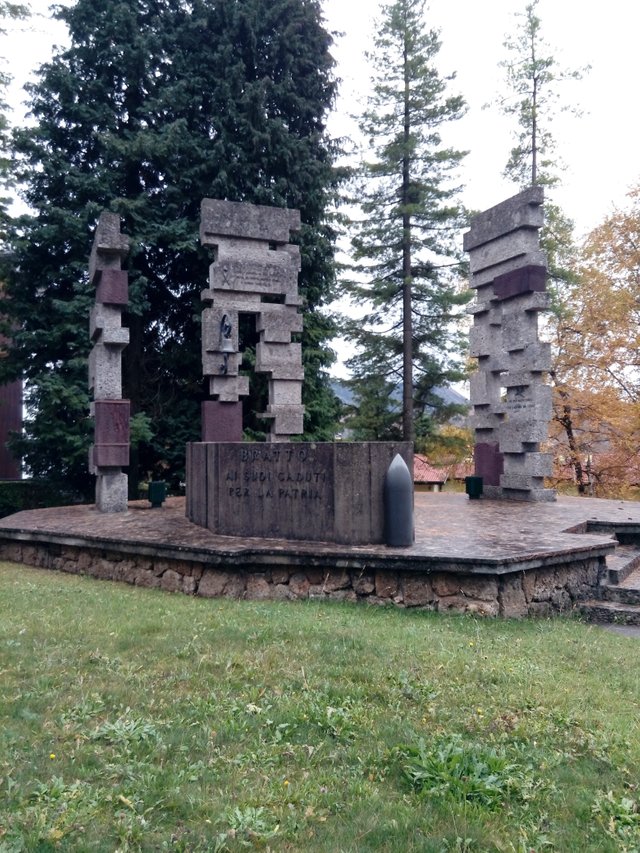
pixel 600 149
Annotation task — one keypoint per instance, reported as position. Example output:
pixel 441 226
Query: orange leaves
pixel 596 345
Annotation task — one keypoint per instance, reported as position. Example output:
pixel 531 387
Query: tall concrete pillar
pixel 110 451
pixel 511 402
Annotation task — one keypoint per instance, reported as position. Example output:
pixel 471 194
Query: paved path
pixel 448 527
pixel 625 630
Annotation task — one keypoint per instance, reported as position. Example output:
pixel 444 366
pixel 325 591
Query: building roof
pixel 425 472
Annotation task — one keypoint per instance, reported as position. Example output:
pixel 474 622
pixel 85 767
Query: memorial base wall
pixel 315 491
pixel 535 592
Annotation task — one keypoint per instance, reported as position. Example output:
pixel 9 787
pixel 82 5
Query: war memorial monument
pixel 290 519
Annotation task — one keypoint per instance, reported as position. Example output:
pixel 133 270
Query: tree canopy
pixel 153 106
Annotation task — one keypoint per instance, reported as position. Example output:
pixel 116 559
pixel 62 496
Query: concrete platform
pixel 451 531
pixel 495 557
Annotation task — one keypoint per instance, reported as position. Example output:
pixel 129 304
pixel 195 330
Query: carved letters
pixel 255 272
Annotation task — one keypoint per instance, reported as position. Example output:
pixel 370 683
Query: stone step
pixel 620 593
pixel 622 562
pixel 611 612
pixel 625 592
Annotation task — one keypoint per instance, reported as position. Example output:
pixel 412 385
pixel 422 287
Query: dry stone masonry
pixel 255 272
pixel 536 592
pixel 110 452
pixel 511 403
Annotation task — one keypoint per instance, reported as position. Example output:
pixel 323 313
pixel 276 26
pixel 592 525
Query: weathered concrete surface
pixel 479 556
pixel 110 451
pixel 255 273
pixel 522 211
pixel 321 491
pixel 511 404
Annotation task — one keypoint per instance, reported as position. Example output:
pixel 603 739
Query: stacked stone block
pixel 110 451
pixel 511 403
pixel 255 271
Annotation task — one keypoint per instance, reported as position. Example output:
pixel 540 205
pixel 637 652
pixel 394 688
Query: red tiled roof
pixel 425 472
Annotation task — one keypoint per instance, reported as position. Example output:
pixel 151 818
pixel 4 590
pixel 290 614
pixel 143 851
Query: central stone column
pixel 511 403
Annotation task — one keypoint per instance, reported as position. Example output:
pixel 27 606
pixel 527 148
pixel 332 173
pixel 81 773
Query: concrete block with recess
pixel 511 403
pixel 110 451
pixel 254 273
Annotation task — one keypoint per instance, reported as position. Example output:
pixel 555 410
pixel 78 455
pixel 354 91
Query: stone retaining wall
pixel 534 592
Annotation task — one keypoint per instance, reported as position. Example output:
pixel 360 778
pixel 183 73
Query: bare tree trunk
pixel 407 306
pixel 566 421
pixel 534 116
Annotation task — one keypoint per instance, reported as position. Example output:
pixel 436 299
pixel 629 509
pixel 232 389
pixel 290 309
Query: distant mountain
pixel 447 394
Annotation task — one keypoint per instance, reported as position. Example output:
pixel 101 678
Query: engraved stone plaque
pixel 324 491
pixel 286 491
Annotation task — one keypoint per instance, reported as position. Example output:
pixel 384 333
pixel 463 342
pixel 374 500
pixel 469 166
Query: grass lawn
pixel 131 719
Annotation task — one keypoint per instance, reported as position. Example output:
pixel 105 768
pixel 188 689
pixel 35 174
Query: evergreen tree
pixel 8 12
pixel 377 415
pixel 153 106
pixel 533 98
pixel 403 245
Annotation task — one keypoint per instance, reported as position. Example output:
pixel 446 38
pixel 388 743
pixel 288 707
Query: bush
pixel 16 495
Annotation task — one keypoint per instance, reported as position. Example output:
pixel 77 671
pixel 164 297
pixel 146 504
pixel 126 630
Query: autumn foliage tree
pixel 596 339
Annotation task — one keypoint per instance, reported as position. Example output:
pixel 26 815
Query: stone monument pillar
pixel 110 452
pixel 255 272
pixel 511 403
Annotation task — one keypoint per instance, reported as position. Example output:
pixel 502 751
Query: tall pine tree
pixel 153 106
pixel 533 78
pixel 534 81
pixel 403 245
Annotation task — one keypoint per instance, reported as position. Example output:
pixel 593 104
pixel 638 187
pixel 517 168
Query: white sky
pixel 600 149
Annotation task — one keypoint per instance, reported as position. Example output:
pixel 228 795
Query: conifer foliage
pixel 403 244
pixel 154 105
pixel 534 81
pixel 8 12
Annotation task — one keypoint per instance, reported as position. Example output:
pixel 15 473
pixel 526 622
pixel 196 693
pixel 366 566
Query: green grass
pixel 131 719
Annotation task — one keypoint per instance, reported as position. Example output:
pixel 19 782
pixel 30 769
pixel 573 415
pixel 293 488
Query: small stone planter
pixel 473 487
pixel 157 493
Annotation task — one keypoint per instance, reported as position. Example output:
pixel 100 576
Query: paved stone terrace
pixel 453 533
